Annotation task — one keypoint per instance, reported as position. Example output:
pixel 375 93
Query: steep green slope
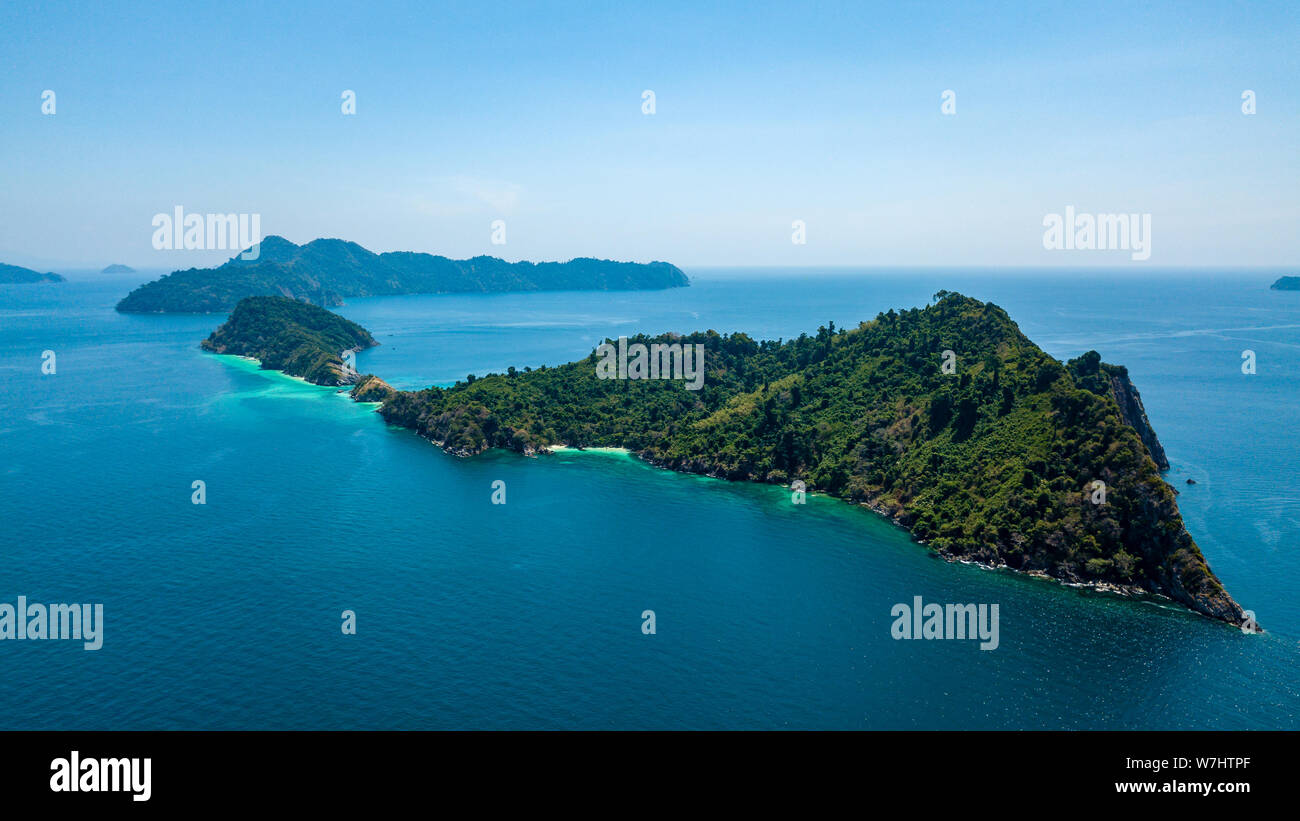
pixel 293 337
pixel 994 462
pixel 325 271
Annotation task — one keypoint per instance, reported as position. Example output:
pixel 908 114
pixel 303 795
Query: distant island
pixel 1286 284
pixel 326 271
pixel 13 274
pixel 996 462
pixel 290 336
pixel 115 268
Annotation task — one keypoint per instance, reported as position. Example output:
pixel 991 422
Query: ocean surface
pixel 528 615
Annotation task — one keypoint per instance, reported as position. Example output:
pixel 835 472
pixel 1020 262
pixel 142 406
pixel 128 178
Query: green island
pixel 16 275
pixel 1286 284
pixel 945 419
pixel 290 336
pixel 326 271
pixel 118 268
pixel 994 463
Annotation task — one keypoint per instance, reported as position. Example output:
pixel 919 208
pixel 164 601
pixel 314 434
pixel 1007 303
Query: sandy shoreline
pixel 569 449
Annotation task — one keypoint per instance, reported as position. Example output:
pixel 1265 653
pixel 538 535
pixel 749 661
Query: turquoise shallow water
pixel 527 615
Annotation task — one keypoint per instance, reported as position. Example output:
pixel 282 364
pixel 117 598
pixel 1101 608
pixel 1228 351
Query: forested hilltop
pixel 994 462
pixel 326 271
pixel 293 337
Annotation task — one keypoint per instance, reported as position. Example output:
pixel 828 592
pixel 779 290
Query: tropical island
pixel 945 419
pixel 326 271
pixel 117 268
pixel 13 274
pixel 290 336
pixel 997 462
pixel 1286 284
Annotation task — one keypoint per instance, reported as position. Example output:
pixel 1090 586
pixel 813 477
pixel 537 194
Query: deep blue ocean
pixel 528 614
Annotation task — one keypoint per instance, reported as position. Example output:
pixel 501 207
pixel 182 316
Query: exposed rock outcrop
pixel 1130 407
pixel 370 388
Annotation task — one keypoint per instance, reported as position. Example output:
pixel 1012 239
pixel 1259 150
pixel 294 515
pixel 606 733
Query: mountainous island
pixel 946 419
pixel 326 271
pixel 1286 284
pixel 995 462
pixel 293 337
pixel 117 268
pixel 13 274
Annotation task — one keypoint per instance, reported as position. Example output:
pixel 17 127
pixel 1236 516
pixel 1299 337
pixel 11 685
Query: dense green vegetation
pixel 293 337
pixel 994 462
pixel 325 271
pixel 1286 284
pixel 13 274
pixel 1090 373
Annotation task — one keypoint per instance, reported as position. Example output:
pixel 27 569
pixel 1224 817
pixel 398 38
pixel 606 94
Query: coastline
pixel 463 438
pixel 276 374
pixel 255 361
pixel 1133 593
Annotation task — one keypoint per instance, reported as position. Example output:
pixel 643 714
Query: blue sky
pixel 765 114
